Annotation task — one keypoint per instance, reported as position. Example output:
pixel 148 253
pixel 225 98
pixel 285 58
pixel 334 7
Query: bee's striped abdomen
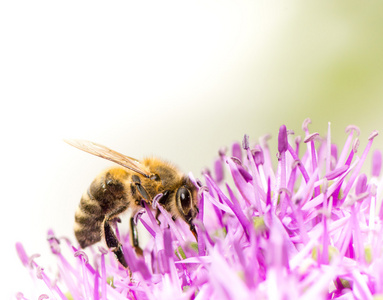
pixel 105 196
pixel 88 221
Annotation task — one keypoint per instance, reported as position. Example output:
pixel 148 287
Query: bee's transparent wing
pixel 109 154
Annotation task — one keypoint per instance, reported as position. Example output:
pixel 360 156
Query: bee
pixel 117 189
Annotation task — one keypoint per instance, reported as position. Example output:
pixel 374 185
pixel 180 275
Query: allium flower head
pixel 310 228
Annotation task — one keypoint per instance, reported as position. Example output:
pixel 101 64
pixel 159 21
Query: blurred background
pixel 174 79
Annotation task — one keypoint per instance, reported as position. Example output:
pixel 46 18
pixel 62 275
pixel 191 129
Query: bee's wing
pixel 109 154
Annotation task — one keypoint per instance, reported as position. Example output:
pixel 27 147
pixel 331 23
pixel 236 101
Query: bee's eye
pixel 183 199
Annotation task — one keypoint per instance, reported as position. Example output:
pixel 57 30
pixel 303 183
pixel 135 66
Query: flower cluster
pixel 308 229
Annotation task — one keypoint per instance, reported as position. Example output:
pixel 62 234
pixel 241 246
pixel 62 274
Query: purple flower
pixel 308 229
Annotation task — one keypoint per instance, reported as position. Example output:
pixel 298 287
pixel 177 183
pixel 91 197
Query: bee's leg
pixel 163 201
pixel 158 212
pixel 113 218
pixel 140 188
pixel 134 235
pixel 113 243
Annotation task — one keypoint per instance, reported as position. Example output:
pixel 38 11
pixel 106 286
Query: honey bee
pixel 117 189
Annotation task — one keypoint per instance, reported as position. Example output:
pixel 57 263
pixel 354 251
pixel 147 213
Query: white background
pixel 170 78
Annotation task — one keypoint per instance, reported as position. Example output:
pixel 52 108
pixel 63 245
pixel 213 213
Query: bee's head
pixel 186 203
